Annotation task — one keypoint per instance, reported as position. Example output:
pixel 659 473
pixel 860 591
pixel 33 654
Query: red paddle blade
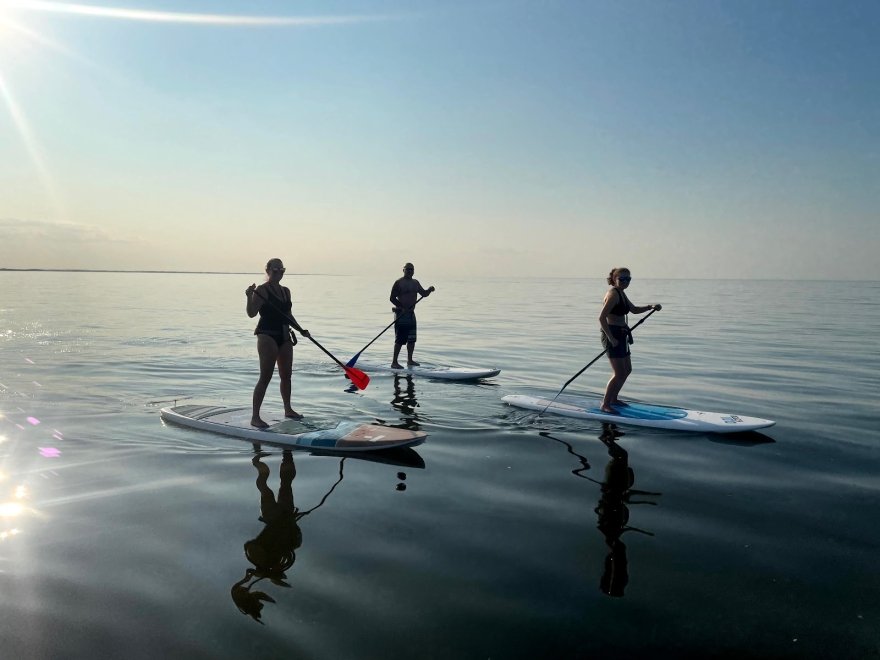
pixel 358 378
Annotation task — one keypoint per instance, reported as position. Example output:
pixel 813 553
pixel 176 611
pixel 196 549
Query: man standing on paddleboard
pixel 404 295
pixel 616 336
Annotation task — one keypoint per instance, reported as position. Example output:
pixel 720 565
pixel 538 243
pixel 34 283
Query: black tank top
pixel 271 320
pixel 623 305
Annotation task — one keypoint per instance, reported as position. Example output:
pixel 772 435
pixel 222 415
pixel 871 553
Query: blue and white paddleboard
pixel 428 370
pixel 643 414
pixel 289 433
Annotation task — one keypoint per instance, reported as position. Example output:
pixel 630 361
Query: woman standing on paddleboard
pixel 275 340
pixel 616 336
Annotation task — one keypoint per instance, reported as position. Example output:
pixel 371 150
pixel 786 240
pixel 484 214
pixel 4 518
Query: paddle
pixel 357 355
pixel 590 364
pixel 358 378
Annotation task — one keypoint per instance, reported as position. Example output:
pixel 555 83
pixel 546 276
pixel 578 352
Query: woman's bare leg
pixel 621 368
pixel 285 371
pixel 267 349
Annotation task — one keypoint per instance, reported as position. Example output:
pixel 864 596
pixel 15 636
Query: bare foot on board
pixel 395 365
pixel 413 363
pixel 259 423
pixel 292 414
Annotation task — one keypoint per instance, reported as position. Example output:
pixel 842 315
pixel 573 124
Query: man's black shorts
pixel 405 328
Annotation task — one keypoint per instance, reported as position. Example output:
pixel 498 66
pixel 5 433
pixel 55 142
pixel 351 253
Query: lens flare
pixel 10 509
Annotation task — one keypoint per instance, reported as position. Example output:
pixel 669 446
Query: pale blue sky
pixel 528 137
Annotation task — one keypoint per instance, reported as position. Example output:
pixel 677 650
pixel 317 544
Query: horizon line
pixel 237 272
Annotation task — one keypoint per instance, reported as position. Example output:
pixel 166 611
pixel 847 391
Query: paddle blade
pixel 358 378
pixel 352 361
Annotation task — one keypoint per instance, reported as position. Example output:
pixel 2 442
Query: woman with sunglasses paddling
pixel 616 336
pixel 275 340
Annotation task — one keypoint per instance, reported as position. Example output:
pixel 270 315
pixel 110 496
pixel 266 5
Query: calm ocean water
pixel 503 536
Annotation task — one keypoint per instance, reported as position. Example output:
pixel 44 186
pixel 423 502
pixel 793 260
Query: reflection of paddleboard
pixel 643 414
pixel 427 370
pixel 346 436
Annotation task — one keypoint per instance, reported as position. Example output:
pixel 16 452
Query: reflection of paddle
pixel 568 382
pixel 352 361
pixel 358 377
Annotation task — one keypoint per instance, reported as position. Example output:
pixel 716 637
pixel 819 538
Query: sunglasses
pixel 277 270
pixel 624 278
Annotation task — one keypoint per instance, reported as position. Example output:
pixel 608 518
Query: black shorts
pixel 624 339
pixel 405 328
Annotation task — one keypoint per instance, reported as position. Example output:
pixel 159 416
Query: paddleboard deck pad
pixel 428 370
pixel 643 414
pixel 346 436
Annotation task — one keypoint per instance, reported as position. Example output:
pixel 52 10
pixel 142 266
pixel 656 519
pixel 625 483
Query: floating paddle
pixel 352 361
pixel 590 364
pixel 358 378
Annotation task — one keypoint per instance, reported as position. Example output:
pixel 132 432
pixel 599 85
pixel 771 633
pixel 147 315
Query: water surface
pixel 503 536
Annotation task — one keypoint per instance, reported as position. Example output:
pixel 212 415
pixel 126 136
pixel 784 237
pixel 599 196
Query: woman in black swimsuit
pixel 616 336
pixel 274 337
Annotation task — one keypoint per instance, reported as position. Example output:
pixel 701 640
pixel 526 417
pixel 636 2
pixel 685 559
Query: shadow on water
pixel 405 403
pixel 272 552
pixel 744 439
pixel 616 495
pixel 400 456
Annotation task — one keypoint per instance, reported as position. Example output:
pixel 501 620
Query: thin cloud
pixel 68 245
pixel 15 230
pixel 188 18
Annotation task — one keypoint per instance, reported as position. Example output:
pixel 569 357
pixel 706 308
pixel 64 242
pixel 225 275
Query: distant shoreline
pixel 233 272
pixel 165 272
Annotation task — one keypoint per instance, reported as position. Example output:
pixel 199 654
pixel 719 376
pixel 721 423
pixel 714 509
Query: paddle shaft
pixel 590 364
pixel 352 361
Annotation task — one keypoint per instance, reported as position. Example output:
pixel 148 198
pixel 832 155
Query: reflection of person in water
pixel 613 512
pixel 273 551
pixel 612 509
pixel 405 401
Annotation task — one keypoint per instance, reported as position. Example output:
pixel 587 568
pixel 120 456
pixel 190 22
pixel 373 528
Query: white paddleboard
pixel 428 370
pixel 643 414
pixel 346 436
